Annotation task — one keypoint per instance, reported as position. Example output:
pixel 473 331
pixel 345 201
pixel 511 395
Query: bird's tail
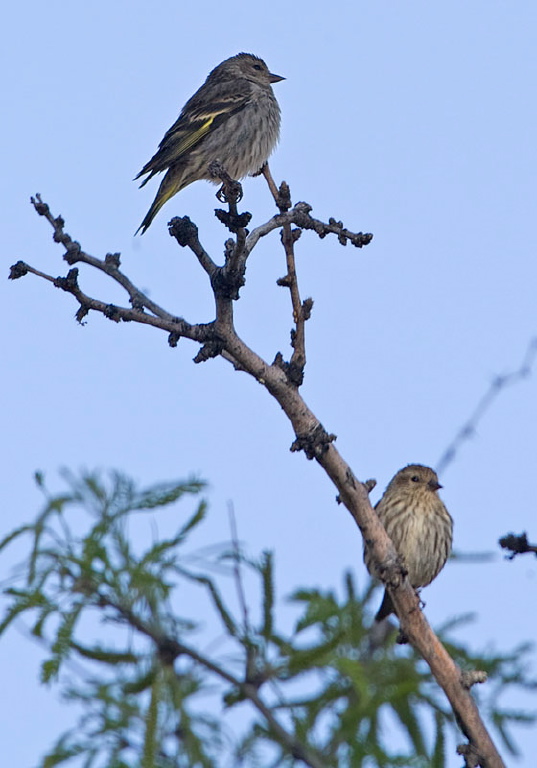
pixel 170 185
pixel 386 607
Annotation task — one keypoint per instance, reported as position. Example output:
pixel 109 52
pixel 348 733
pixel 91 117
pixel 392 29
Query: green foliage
pixel 326 693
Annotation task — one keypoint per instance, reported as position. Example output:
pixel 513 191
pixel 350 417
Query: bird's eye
pixel 415 479
pixel 258 67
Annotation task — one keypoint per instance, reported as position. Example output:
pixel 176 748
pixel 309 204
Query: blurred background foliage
pixel 102 589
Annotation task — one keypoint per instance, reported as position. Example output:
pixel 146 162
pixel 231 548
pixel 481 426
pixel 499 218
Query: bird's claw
pixel 230 190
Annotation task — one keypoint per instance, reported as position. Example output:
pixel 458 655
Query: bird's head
pixel 414 477
pixel 249 67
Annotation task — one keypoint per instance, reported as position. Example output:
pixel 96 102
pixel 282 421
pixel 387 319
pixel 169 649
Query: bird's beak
pixel 275 78
pixel 434 486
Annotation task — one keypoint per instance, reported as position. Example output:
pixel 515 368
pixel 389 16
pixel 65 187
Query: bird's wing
pixel 205 111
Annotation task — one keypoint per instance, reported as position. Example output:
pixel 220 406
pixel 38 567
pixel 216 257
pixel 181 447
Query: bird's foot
pixel 230 192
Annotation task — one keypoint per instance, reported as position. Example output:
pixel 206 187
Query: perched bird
pixel 234 118
pixel 418 524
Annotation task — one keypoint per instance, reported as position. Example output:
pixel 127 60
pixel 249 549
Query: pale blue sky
pixel 415 121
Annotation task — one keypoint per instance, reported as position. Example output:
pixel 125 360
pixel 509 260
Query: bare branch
pixel 221 338
pixel 175 326
pixel 186 234
pixel 110 265
pixel 517 545
pixel 299 215
pixel 265 170
pixel 226 280
pixel 301 312
pixel 498 384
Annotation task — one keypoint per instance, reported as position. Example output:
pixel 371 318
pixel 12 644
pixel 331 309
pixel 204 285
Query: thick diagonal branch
pixel 221 338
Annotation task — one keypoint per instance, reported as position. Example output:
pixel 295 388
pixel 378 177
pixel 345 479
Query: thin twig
pixel 175 326
pixel 299 215
pixel 110 265
pixel 498 384
pixel 237 569
pixel 301 313
pixel 271 183
pixel 517 545
pixel 186 233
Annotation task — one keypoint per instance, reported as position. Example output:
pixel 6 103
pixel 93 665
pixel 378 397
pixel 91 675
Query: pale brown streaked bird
pixel 419 525
pixel 233 118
